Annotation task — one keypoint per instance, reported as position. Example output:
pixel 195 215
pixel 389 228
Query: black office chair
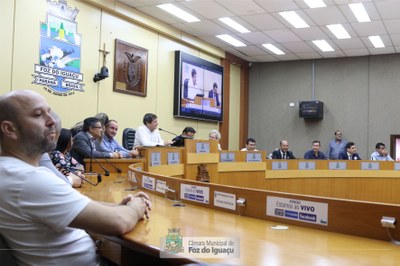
pixel 128 138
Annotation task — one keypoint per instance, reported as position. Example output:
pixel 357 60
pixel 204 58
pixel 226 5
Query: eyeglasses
pixel 98 127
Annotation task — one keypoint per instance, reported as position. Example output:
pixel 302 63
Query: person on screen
pixel 283 151
pixel 215 135
pixel 214 94
pixel 380 153
pixel 336 146
pixel 191 87
pixel 250 145
pixel 54 216
pixel 315 153
pixel 187 133
pixel 110 144
pixel 349 153
pixel 147 135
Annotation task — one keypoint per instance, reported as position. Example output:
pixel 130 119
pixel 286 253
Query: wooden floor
pixel 259 244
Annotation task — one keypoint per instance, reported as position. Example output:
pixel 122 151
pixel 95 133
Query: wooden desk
pixel 260 245
pixel 110 164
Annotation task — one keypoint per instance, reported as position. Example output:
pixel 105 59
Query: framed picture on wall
pixel 395 147
pixel 130 69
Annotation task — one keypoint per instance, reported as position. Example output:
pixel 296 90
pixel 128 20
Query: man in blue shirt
pixel 110 144
pixel 336 146
pixel 315 154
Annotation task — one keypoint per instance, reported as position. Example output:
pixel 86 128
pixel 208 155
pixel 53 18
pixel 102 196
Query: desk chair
pixel 128 138
pixel 6 256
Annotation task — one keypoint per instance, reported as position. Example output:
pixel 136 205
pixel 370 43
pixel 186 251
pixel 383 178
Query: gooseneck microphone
pixel 106 172
pixel 99 179
pixel 110 163
pixel 167 132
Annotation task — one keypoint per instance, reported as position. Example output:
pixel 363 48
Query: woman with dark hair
pixel 61 156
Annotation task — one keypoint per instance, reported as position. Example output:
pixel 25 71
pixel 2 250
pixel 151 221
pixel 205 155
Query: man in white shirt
pixel 380 153
pixel 250 145
pixel 148 135
pixel 43 219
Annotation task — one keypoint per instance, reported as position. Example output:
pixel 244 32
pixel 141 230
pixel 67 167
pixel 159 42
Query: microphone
pixel 107 173
pixel 167 132
pixel 90 182
pixel 99 179
pixel 110 163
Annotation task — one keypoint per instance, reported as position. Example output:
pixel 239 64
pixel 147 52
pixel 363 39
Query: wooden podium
pixel 163 160
pixel 201 159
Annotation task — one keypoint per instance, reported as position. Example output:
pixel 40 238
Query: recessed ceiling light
pixel 359 12
pixel 234 25
pixel 376 41
pixel 323 45
pixel 273 48
pixel 315 3
pixel 229 39
pixel 294 19
pixel 339 31
pixel 180 13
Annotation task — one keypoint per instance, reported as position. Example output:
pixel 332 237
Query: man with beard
pixel 42 218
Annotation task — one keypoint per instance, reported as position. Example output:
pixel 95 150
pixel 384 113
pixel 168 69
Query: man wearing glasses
pixel 86 143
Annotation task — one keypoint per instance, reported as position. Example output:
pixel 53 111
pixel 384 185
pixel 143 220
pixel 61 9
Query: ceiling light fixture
pixel 273 48
pixel 180 13
pixel 315 3
pixel 323 45
pixel 339 31
pixel 376 41
pixel 234 25
pixel 229 39
pixel 359 11
pixel 294 19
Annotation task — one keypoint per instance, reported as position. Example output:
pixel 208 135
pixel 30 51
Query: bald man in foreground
pixel 42 218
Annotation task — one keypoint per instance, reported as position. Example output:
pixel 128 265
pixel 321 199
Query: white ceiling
pixel 267 26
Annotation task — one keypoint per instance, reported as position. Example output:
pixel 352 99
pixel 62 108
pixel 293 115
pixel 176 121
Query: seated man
pixel 42 218
pixel 86 142
pixel 250 145
pixel 148 134
pixel 283 151
pixel 315 153
pixel 187 133
pixel 110 144
pixel 380 153
pixel 350 153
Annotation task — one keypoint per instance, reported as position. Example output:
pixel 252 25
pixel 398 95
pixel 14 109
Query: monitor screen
pixel 198 88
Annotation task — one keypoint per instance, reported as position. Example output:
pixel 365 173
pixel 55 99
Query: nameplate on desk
pixel 397 166
pixel 155 159
pixel 370 166
pixel 253 157
pixel 279 165
pixel 337 165
pixel 195 193
pixel 306 165
pixel 148 182
pixel 227 157
pixel 161 186
pixel 202 147
pixel 173 158
pixel 225 200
